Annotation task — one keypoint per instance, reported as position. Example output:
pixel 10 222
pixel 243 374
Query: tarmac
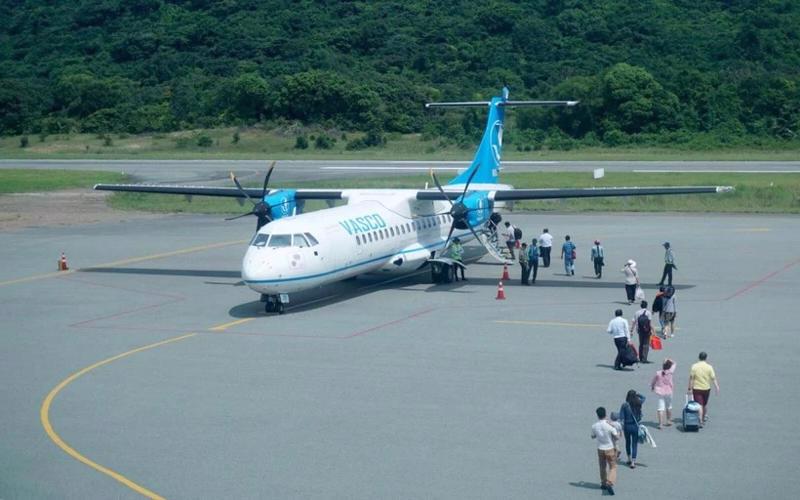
pixel 149 369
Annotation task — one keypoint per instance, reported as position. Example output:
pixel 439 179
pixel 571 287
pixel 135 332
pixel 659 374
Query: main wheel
pixel 279 307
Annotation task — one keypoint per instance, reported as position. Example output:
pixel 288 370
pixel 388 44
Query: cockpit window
pixel 280 240
pixel 260 240
pixel 311 239
pixel 300 241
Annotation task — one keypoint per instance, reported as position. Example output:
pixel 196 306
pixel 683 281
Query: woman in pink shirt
pixel 662 386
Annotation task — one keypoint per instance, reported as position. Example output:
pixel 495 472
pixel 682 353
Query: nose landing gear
pixel 272 303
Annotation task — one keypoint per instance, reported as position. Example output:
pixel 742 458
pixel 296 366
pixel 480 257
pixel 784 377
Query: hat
pixel 456 240
pixel 631 262
pixel 666 244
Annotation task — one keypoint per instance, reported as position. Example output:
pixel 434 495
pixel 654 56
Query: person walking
pixel 670 310
pixel 631 279
pixel 546 245
pixel 643 325
pixel 701 376
pixel 658 307
pixel 523 263
pixel 618 329
pixel 568 254
pixel 631 414
pixel 533 260
pixel 605 433
pixel 511 240
pixel 597 259
pixel 663 387
pixel 457 253
pixel 669 264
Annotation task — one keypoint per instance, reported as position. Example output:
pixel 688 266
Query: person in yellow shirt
pixel 701 376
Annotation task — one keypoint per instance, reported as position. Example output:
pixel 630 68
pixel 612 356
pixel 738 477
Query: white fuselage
pixel 374 232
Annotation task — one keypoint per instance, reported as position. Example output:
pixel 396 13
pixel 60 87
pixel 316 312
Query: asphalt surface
pixel 371 389
pixel 193 171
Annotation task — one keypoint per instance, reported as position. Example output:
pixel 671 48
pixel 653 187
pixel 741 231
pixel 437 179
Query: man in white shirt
pixel 546 245
pixel 605 433
pixel 618 329
pixel 511 240
pixel 644 327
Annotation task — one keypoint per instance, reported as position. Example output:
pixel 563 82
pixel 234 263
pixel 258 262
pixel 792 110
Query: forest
pixel 645 71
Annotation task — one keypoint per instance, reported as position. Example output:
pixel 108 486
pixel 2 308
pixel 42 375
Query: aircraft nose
pixel 255 265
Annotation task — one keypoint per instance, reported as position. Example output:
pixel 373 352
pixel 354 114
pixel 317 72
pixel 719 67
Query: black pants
pixel 525 272
pixel 546 256
pixel 667 274
pixel 622 344
pixel 534 268
pixel 598 266
pixel 644 346
pixel 455 271
pixel 630 291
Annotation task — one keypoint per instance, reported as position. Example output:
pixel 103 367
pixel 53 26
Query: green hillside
pixel 647 72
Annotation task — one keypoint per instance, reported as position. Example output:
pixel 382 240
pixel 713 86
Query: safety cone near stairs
pixel 62 263
pixel 501 294
pixel 505 273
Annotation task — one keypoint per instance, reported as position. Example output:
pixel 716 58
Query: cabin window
pixel 391 231
pixel 300 241
pixel 386 232
pixel 370 237
pixel 311 239
pixel 280 240
pixel 380 233
pixel 358 239
pixel 260 240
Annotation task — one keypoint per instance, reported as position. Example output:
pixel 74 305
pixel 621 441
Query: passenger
pixel 568 254
pixel 533 260
pixel 700 378
pixel 643 325
pixel 618 329
pixel 669 264
pixel 457 253
pixel 669 308
pixel 663 387
pixel 597 259
pixel 604 433
pixel 546 241
pixel 658 307
pixel 618 427
pixel 631 280
pixel 523 263
pixel 511 240
pixel 631 414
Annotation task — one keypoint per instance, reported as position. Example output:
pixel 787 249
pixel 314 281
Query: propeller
pixel 459 212
pixel 260 209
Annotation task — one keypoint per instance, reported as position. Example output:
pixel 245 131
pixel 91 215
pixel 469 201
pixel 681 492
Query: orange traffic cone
pixel 505 273
pixel 501 294
pixel 62 263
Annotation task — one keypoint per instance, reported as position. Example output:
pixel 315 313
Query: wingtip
pixel 725 189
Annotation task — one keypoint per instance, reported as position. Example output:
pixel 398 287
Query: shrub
pixel 301 142
pixel 23 141
pixel 324 142
pixel 236 138
pixel 204 141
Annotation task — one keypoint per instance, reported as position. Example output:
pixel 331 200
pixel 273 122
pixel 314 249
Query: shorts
pixel 669 317
pixel 664 402
pixel 701 396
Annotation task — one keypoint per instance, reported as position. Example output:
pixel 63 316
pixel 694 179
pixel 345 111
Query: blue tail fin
pixel 487 157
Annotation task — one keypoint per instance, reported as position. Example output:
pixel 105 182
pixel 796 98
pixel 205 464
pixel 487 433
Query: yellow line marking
pixel 549 323
pixel 225 326
pixel 752 230
pixel 44 415
pixel 127 261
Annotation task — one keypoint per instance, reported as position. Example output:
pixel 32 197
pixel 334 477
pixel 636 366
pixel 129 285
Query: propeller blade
pixel 240 216
pixel 447 241
pixel 236 181
pixel 439 186
pixel 469 179
pixel 266 179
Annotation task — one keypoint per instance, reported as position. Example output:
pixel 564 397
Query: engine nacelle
pixel 480 209
pixel 283 203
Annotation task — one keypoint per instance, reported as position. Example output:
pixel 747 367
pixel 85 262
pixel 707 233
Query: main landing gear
pixel 272 303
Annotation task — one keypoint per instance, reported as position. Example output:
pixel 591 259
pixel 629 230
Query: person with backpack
pixel 511 240
pixel 618 329
pixel 669 308
pixel 642 324
pixel 631 415
pixel 533 260
pixel 631 280
pixel 658 307
pixel 663 387
pixel 597 257
pixel 568 254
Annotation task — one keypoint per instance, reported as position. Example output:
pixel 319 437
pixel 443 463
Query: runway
pixel 150 361
pixel 195 171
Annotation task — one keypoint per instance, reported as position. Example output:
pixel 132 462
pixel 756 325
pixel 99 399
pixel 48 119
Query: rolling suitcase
pixel 691 415
pixel 629 356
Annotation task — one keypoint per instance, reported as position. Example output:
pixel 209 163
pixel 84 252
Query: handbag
pixel 639 294
pixel 574 254
pixel 655 343
pixel 642 434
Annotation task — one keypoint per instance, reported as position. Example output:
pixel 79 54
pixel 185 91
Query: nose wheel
pixel 272 303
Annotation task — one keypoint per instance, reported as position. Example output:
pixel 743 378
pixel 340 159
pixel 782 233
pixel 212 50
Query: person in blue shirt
pixel 568 256
pixel 533 260
pixel 597 257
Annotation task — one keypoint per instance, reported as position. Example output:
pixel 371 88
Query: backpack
pixel 643 324
pixel 658 303
pixel 517 233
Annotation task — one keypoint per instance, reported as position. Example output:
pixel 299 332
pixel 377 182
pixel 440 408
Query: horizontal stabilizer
pixel 550 194
pixel 507 104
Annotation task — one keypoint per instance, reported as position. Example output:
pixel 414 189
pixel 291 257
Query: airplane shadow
pixel 197 273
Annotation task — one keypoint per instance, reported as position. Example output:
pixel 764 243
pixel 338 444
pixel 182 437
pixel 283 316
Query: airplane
pixel 391 231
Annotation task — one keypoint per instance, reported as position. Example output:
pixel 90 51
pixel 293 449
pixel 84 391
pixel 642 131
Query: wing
pixel 559 193
pixel 229 192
